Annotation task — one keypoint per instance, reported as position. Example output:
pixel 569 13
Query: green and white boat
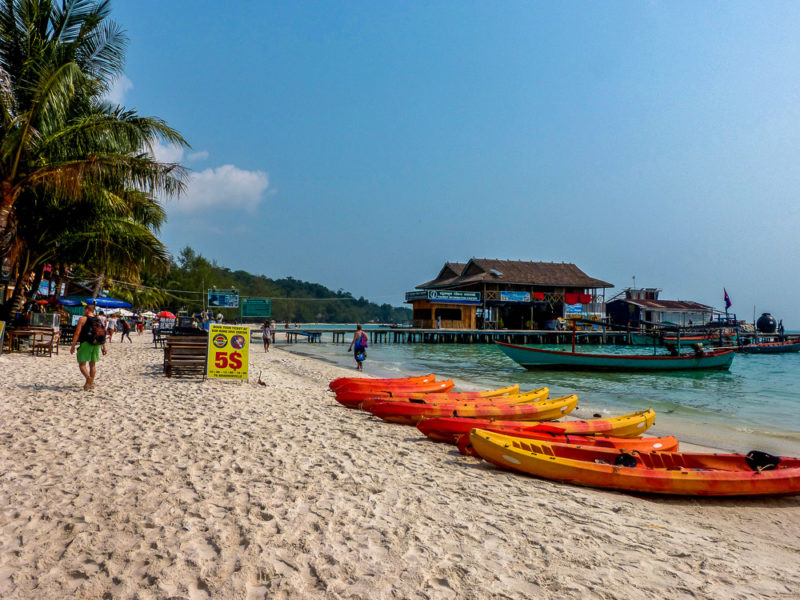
pixel 537 358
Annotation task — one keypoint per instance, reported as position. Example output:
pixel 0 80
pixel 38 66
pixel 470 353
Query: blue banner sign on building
pixel 454 296
pixel 223 298
pixel 447 296
pixel 515 296
pixel 573 310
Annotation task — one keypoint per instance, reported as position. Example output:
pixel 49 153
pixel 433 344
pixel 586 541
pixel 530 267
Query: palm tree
pixel 110 235
pixel 57 138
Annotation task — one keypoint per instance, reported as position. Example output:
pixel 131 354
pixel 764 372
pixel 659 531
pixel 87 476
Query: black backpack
pixel 95 332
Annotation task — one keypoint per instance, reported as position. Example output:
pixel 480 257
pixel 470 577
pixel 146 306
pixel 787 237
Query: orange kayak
pixel 449 429
pixel 641 444
pixel 409 413
pixel 342 381
pixel 679 473
pixel 460 398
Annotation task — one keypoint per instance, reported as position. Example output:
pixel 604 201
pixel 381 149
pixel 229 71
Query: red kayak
pixel 396 389
pixel 353 397
pixel 341 381
pixel 643 444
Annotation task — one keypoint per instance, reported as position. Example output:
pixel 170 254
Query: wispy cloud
pixel 119 89
pixel 168 153
pixel 226 186
pixel 197 156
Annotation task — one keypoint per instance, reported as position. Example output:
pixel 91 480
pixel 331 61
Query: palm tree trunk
pixel 98 284
pixel 59 279
pixel 18 297
pixel 37 279
pixel 6 204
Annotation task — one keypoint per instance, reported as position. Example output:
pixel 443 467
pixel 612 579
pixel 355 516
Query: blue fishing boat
pixel 771 347
pixel 537 358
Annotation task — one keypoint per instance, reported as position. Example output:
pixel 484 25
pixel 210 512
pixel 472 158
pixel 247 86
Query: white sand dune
pixel 151 487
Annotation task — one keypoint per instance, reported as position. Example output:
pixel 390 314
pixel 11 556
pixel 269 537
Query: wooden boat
pixel 771 347
pixel 703 338
pixel 409 413
pixel 455 398
pixel 667 443
pixel 682 473
pixel 449 429
pixel 341 381
pixel 396 388
pixel 537 358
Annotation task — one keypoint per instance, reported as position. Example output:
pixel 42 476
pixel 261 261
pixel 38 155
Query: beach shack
pixel 506 294
pixel 640 306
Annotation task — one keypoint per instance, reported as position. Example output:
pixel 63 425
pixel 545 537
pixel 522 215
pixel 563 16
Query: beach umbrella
pixel 165 314
pixel 149 314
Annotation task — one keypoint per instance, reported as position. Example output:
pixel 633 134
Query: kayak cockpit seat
pixel 761 461
pixel 623 459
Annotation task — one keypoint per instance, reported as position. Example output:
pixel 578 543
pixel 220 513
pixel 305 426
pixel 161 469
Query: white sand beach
pixel 151 487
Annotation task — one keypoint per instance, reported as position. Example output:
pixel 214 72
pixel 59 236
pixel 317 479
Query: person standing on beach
pixel 111 327
pixel 360 344
pixel 139 324
pixel 266 334
pixel 126 330
pixel 90 332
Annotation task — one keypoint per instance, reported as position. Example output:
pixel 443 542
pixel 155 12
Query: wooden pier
pixel 452 336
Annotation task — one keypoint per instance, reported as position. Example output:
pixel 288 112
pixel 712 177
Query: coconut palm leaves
pixel 56 135
pixel 78 179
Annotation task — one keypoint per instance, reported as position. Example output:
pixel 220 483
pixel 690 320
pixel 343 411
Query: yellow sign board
pixel 228 351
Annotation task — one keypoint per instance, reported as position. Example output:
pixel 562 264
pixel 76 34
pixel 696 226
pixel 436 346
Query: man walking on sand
pixel 90 332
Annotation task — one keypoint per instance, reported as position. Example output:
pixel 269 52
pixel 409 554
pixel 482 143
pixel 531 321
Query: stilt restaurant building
pixel 507 294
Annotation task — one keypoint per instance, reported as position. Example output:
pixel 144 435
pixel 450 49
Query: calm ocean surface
pixel 755 405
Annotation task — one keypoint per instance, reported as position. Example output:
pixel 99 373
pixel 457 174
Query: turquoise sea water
pixel 755 405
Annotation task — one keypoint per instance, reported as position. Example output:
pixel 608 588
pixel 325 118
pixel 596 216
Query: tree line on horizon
pixel 190 276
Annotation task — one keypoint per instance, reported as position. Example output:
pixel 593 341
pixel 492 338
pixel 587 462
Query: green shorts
pixel 88 352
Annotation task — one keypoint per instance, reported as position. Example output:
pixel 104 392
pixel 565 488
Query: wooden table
pixel 16 335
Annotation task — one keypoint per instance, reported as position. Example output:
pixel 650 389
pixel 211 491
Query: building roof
pixel 449 273
pixel 670 305
pixel 479 270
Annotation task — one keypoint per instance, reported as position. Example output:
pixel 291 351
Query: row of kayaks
pixel 519 431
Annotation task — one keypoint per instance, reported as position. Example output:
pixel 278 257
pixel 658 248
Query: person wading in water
pixel 360 343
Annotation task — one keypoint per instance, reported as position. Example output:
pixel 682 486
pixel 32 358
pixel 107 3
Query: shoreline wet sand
pixel 151 487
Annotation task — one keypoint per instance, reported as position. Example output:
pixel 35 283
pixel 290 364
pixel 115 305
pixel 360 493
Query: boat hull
pixel 537 358
pixel 771 348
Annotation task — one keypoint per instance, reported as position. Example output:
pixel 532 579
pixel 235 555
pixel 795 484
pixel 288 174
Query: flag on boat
pixel 727 299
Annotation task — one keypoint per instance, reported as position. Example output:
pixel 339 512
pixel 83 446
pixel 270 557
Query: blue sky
pixel 360 144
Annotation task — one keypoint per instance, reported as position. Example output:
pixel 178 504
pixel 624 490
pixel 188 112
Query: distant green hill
pixel 292 300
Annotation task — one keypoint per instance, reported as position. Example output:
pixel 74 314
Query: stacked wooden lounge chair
pixel 185 355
